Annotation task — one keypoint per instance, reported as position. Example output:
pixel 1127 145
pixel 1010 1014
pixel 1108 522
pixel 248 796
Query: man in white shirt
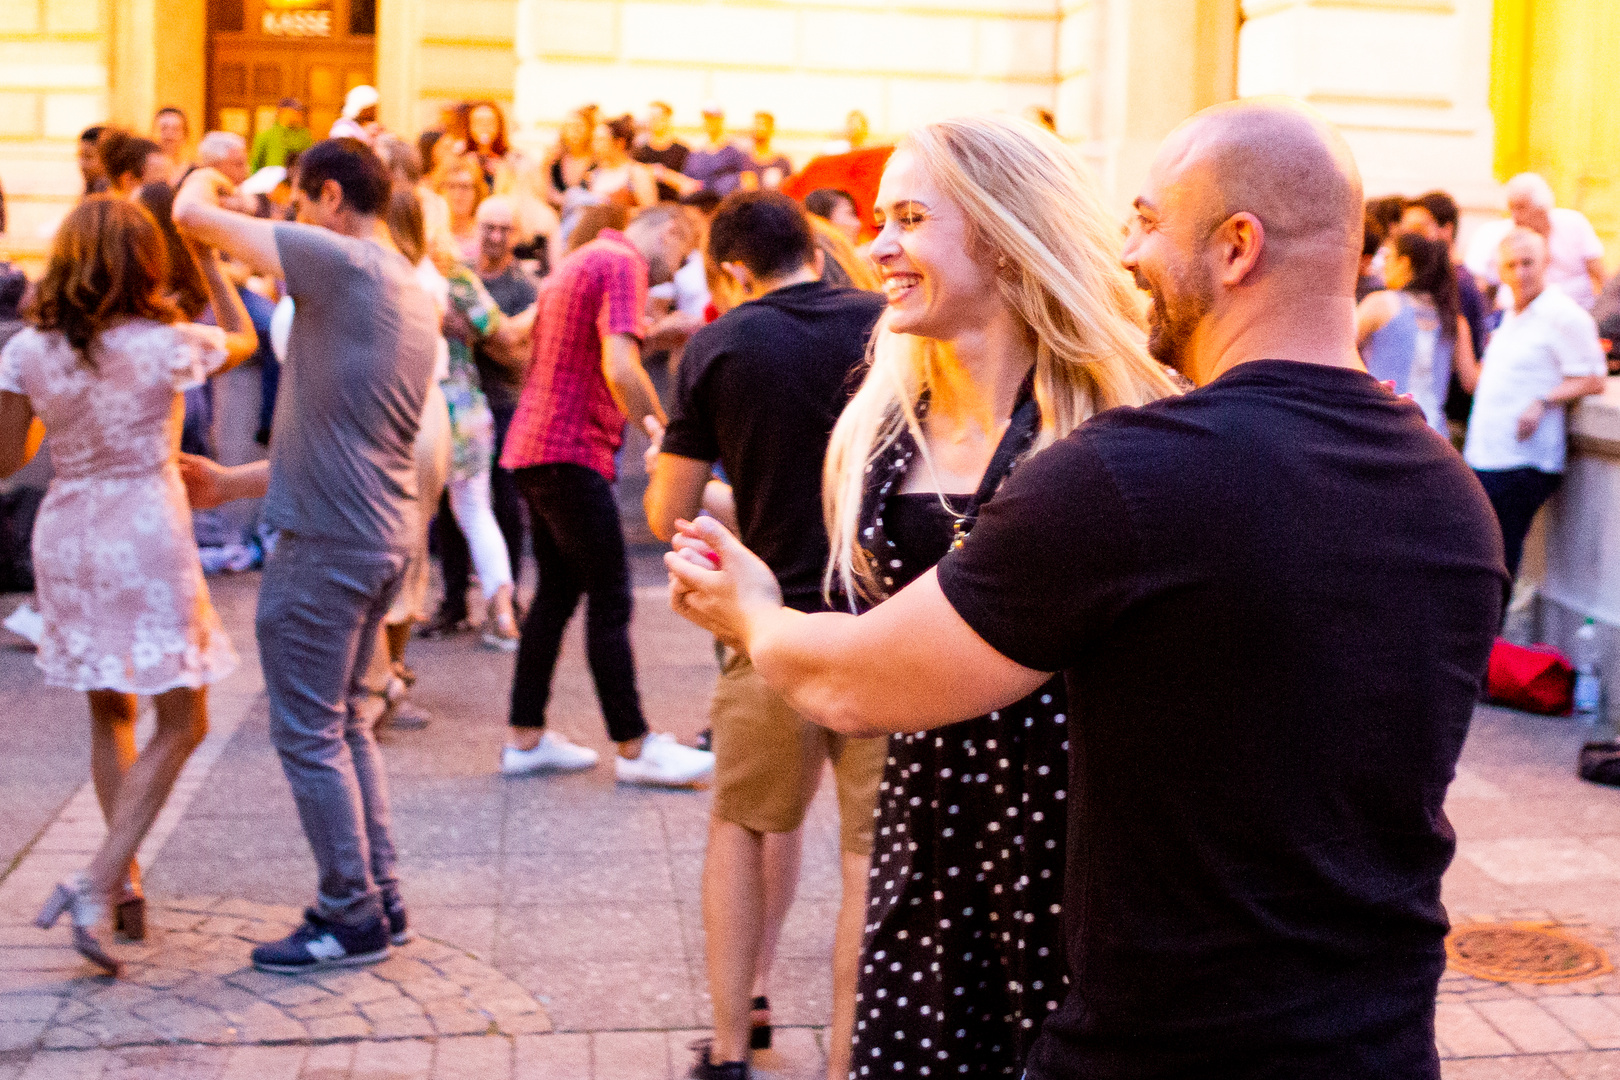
pixel 1543 357
pixel 1574 250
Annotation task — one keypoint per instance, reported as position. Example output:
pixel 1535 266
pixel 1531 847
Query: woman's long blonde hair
pixel 1031 205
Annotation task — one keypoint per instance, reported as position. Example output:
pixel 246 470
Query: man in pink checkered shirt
pixel 585 382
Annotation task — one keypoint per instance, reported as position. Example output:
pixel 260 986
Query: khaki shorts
pixel 768 759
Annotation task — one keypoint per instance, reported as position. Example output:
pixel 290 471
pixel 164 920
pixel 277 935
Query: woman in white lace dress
pixel 125 607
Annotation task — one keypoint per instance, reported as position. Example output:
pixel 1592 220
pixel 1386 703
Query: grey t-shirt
pixel 359 359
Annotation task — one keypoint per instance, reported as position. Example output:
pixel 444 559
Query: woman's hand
pixel 717 583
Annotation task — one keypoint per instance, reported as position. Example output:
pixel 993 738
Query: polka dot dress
pixel 963 950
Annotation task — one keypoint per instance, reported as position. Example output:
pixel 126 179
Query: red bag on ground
pixel 1533 678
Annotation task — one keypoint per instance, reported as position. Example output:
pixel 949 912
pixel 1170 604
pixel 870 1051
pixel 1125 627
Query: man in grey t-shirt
pixel 340 488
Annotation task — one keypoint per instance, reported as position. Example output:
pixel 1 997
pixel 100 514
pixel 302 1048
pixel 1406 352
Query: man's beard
pixel 1175 314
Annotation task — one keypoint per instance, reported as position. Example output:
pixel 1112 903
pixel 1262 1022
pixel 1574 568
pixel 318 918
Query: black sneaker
pixel 444 624
pixel 319 944
pixel 399 931
pixel 706 1068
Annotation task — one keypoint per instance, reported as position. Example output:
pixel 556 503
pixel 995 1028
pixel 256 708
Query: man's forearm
pixel 1574 388
pixel 247 239
pixel 628 382
pixel 250 481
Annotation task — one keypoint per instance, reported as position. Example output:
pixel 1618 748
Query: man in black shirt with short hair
pixel 1273 599
pixel 662 150
pixel 759 391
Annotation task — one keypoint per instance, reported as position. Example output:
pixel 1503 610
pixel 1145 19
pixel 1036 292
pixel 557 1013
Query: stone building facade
pixel 1431 93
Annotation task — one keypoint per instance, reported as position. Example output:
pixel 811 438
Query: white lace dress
pixel 115 564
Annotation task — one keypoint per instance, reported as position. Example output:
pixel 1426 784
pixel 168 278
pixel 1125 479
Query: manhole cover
pixel 1523 953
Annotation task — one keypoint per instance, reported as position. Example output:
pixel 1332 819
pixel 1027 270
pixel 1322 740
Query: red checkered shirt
pixel 567 414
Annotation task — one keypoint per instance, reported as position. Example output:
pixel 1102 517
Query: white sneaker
pixel 551 752
pixel 26 623
pixel 664 763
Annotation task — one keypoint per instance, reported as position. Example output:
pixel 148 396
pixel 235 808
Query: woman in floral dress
pixel 472 451
pixel 121 591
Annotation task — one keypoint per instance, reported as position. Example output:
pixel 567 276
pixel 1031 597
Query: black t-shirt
pixel 759 390
pixel 1273 600
pixel 672 157
pixel 512 292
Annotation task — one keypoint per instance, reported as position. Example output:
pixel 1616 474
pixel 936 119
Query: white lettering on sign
pixel 297 23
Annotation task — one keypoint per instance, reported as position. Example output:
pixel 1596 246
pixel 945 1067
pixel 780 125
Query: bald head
pixel 1280 162
pixel 498 209
pixel 1248 235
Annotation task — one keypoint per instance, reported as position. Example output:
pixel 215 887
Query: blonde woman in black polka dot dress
pixel 962 955
pixel 1010 322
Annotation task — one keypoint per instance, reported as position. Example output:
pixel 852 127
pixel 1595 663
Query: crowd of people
pixel 970 521
pixel 1494 346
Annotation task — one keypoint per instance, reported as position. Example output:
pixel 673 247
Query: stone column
pixel 1407 81
pixel 1131 70
pixel 399 63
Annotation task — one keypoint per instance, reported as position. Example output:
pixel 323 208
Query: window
pixel 363 17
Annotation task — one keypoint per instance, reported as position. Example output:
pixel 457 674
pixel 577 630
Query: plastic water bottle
pixel 1588 682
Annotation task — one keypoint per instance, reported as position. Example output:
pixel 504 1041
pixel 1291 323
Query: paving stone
pixel 329 1062
pixel 67 1065
pixel 1464 1033
pixel 1528 1026
pixel 388 1008
pixel 338 1027
pixel 631 1055
pixel 18 1034
pixel 403 1027
pixel 459 1020
pixel 73 1038
pixel 358 987
pixel 266 1063
pixel 551 1057
pixel 19 1007
pixel 1508 1068
pixel 486 1058
pixel 1588 1066
pixel 298 994
pixel 331 1005
pixel 1596 1021
pixel 590 996
pixel 403 1059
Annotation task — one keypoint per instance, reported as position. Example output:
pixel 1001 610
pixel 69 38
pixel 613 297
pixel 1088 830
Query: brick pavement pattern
pixel 189 983
pixel 573 902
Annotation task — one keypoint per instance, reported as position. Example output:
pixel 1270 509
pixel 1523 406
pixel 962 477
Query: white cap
pixel 714 108
pixel 361 97
pixel 264 181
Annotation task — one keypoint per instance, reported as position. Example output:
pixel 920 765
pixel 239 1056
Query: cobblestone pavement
pixel 561 935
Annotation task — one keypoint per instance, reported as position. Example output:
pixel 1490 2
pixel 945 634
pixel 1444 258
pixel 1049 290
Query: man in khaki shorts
pixel 759 391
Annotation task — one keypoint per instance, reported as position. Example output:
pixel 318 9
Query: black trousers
pixel 1516 495
pixel 579 546
pixel 452 546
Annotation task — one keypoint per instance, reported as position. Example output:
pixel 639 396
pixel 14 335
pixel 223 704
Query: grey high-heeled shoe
pixel 73 897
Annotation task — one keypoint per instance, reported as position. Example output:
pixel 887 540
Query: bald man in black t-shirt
pixel 1272 598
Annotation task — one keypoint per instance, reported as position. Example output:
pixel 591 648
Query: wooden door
pixel 260 51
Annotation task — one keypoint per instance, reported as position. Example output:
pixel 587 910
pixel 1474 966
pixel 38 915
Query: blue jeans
pixel 320 603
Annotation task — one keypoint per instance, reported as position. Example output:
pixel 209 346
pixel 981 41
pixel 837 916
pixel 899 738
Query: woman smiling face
pixel 938 282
